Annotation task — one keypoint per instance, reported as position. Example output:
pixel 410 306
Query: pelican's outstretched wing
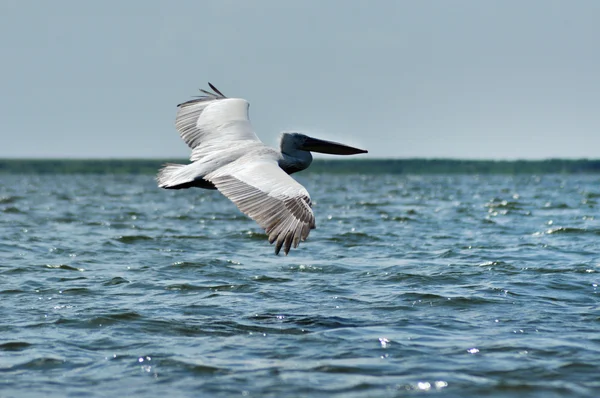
pixel 270 197
pixel 213 119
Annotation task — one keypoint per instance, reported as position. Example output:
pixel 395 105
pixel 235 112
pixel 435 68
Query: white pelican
pixel 228 156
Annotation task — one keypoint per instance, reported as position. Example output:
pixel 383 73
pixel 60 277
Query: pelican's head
pixel 292 142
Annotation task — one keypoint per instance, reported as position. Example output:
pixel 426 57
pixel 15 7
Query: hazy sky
pixel 459 79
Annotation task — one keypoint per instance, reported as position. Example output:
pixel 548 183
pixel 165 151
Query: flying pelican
pixel 228 156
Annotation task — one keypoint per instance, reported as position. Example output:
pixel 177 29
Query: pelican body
pixel 228 156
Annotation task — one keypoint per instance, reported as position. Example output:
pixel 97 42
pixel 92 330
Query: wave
pixel 128 239
pixel 572 231
pixel 14 346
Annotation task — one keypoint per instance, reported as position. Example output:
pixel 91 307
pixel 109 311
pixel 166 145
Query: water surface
pixel 447 285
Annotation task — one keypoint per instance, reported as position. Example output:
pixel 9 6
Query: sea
pixel 411 285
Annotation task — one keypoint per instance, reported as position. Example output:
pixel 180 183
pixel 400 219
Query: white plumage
pixel 227 155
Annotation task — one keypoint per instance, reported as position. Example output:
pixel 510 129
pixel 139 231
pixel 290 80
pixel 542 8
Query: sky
pixel 471 79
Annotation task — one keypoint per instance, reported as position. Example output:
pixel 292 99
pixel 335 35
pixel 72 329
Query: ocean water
pixel 454 286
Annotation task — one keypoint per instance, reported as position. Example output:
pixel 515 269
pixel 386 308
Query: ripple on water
pixel 574 231
pixel 12 210
pixel 112 286
pixel 115 281
pixel 41 364
pixel 63 267
pixel 14 346
pixel 131 239
pixel 9 199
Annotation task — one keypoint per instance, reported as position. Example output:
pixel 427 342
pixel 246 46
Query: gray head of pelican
pixel 228 156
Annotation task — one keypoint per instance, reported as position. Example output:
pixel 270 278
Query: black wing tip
pixel 208 96
pixel 279 250
pixel 216 90
pixel 189 102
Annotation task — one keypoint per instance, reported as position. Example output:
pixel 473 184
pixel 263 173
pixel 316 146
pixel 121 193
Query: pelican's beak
pixel 330 147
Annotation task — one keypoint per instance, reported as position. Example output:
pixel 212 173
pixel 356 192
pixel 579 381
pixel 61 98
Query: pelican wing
pixel 273 199
pixel 213 120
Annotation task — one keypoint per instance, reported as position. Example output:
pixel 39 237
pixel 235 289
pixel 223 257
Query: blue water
pixel 449 285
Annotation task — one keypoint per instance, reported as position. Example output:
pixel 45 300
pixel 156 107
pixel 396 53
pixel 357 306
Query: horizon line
pixel 336 159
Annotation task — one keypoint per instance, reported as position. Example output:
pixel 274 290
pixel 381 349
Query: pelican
pixel 228 156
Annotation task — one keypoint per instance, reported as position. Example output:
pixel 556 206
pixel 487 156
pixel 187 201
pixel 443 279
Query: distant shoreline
pixel 339 166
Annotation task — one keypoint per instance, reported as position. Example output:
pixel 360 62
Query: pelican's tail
pixel 168 176
pixel 180 176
